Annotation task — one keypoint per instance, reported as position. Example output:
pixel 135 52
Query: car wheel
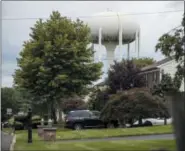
pixel 110 125
pixel 148 123
pixel 78 127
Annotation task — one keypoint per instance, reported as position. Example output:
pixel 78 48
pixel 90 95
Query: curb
pixel 13 142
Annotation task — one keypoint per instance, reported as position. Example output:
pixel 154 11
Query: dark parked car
pixel 80 119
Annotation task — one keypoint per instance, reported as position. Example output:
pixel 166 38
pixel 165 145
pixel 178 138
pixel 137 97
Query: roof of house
pixel 158 63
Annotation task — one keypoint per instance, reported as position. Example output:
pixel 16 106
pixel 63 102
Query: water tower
pixel 111 29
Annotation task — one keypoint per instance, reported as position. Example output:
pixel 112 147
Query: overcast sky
pixel 17 31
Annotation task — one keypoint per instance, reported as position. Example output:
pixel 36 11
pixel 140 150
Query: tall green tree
pixel 55 62
pixel 172 45
pixel 124 75
pixel 142 62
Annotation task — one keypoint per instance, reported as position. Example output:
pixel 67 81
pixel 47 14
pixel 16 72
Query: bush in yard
pixel 98 99
pixel 134 104
pixel 73 103
pixel 21 121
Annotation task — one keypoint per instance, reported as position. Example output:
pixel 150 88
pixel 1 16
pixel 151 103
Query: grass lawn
pixel 94 133
pixel 139 145
pixel 102 133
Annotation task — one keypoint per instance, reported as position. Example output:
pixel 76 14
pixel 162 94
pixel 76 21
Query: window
pixel 84 114
pixel 80 114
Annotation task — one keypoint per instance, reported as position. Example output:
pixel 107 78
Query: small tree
pixel 98 99
pixel 167 84
pixel 8 100
pixel 124 76
pixel 134 104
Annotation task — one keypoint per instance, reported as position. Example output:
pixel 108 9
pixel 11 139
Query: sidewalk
pixel 6 140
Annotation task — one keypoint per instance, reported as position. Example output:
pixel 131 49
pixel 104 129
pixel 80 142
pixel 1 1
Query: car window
pixel 85 114
pixel 72 114
pixel 79 114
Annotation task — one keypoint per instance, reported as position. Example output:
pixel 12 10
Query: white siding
pixel 170 68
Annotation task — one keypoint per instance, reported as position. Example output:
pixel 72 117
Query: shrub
pixel 21 121
pixel 36 117
pixel 134 104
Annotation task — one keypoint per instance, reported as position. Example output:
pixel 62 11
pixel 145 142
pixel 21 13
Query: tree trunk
pixel 53 114
pixel 120 123
pixel 49 111
pixel 140 120
pixel 165 121
pixel 60 115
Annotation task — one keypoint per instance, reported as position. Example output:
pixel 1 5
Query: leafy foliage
pixel 142 62
pixel 124 75
pixel 20 121
pixel 171 45
pixel 9 99
pixel 56 62
pixel 73 103
pixel 98 99
pixel 167 84
pixel 134 104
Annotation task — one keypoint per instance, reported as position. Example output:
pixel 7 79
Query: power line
pixel 131 14
pixel 173 29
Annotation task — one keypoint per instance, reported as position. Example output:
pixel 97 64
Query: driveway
pixel 6 140
pixel 143 137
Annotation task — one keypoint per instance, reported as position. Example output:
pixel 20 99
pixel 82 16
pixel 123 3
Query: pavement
pixel 6 140
pixel 143 137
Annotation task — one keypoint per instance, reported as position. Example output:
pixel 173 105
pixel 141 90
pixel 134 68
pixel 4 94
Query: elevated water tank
pixel 110 29
pixel 111 23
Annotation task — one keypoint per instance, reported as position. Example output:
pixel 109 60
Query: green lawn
pixel 102 133
pixel 138 145
pixel 94 133
pixel 144 145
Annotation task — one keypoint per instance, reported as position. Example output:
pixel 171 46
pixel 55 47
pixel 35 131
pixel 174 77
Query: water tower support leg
pixel 128 51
